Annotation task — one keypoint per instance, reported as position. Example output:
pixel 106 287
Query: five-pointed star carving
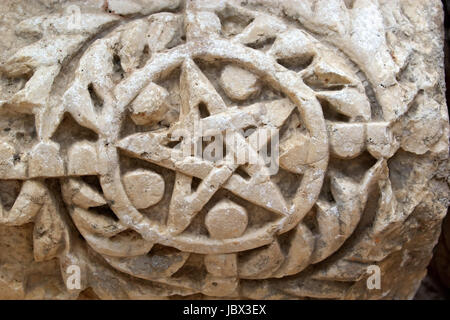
pixel 152 147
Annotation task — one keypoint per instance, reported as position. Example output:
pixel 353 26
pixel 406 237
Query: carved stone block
pixel 241 149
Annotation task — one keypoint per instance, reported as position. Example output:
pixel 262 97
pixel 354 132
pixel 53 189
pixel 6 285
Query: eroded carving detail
pixel 107 151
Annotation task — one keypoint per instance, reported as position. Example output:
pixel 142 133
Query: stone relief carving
pixel 90 151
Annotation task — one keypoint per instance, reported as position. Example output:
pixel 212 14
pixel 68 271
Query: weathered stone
pixel 238 83
pixel 226 220
pixel 144 188
pixel 221 148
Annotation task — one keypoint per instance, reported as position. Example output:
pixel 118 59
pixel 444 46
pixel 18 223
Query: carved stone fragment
pixel 239 149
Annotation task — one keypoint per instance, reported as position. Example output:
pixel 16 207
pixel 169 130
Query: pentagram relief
pixel 196 150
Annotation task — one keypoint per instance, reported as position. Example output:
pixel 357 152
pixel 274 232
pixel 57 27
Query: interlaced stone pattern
pixel 91 151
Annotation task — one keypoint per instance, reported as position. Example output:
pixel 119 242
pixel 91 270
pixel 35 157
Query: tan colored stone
pixel 324 122
pixel 45 160
pixel 221 265
pixel 226 220
pixel 150 106
pixel 82 159
pixel 220 287
pixel 8 165
pixel 145 188
pixel 238 83
pixel 347 140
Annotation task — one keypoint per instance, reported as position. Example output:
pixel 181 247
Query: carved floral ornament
pixel 109 189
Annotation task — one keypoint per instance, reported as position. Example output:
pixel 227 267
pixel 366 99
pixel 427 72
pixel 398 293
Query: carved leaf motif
pixel 43 60
pixel 31 198
pixel 260 30
pixel 132 44
pixel 261 263
pixel 93 223
pixel 60 24
pixel 49 231
pixel 46 52
pixel 165 31
pixel 350 102
pixel 299 254
pixel 124 244
pixel 295 44
pixel 78 192
pixel 337 221
pixel 155 265
pixel 145 7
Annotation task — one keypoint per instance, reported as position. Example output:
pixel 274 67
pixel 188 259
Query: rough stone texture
pixel 436 286
pixel 441 262
pixel 93 93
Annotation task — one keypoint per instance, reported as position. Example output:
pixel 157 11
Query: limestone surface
pixel 132 140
